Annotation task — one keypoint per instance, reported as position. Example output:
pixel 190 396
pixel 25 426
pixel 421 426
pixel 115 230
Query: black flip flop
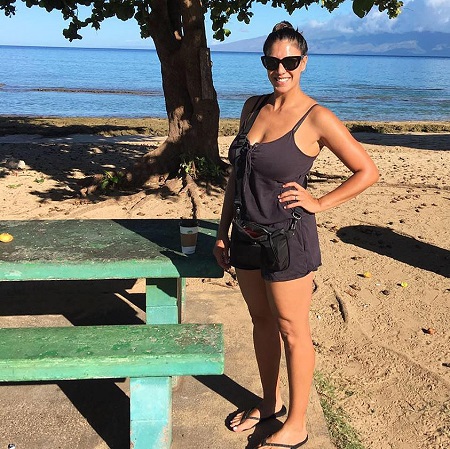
pixel 288 446
pixel 275 415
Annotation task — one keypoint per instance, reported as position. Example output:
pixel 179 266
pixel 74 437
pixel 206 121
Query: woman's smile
pixel 282 79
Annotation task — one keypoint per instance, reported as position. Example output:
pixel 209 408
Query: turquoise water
pixel 127 83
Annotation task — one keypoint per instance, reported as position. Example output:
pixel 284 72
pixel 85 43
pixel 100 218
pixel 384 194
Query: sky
pixel 35 26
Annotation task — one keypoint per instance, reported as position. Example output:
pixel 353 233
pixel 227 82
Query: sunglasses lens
pixel 289 63
pixel 270 63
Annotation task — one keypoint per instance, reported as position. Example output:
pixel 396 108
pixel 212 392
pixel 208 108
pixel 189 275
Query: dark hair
pixel 285 31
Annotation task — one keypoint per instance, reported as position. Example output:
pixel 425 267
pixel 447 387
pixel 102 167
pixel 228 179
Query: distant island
pixel 414 43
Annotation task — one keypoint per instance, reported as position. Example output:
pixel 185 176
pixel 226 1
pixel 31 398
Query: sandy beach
pixel 382 339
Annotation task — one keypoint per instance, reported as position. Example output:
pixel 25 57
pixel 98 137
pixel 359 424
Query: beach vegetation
pixel 344 436
pixel 201 168
pixel 110 180
pixel 177 28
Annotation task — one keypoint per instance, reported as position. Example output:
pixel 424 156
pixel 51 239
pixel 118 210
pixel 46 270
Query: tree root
pixel 343 309
pixel 89 185
pixel 315 286
pixel 191 189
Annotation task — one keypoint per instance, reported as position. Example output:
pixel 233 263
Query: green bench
pixel 147 354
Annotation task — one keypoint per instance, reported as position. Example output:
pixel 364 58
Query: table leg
pixel 151 398
pixel 151 413
pixel 165 299
pixel 181 294
pixel 162 301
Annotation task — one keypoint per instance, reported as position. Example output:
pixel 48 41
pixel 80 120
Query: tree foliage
pixel 95 11
pixel 221 11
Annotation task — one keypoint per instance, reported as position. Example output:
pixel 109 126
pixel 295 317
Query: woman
pixel 288 133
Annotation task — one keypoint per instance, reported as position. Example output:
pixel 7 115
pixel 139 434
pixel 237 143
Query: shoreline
pixel 113 126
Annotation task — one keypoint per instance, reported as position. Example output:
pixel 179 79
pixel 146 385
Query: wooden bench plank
pixel 88 352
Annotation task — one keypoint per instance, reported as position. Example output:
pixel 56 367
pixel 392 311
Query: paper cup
pixel 188 234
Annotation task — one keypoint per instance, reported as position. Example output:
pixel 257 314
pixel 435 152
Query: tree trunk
pixel 178 31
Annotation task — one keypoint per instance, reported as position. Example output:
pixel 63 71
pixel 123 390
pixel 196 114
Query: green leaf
pixel 362 7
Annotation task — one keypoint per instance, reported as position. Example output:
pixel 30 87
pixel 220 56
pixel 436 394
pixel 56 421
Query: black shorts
pixel 304 253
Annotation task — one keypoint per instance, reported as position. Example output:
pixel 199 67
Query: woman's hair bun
pixel 285 31
pixel 281 25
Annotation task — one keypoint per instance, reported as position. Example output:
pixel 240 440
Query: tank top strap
pixel 297 126
pixel 248 123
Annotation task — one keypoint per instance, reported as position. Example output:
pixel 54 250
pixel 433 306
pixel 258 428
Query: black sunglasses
pixel 289 63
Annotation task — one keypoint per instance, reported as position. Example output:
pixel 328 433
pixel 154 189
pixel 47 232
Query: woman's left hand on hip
pixel 295 195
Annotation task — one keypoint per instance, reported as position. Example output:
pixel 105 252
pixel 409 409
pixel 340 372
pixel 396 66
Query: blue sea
pixel 79 82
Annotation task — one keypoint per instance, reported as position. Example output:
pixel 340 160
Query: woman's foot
pixel 248 419
pixel 286 437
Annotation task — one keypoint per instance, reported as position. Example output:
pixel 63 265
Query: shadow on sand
pixel 437 142
pixel 403 248
pixel 240 397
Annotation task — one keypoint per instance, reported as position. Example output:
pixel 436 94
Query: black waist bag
pixel 256 246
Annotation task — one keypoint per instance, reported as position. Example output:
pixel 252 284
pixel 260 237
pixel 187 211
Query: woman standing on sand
pixel 273 158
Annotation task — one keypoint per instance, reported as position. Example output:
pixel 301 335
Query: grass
pixel 342 433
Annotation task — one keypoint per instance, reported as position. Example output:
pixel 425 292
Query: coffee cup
pixel 188 234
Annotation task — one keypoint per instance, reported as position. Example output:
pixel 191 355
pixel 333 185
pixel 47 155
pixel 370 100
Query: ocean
pixel 81 82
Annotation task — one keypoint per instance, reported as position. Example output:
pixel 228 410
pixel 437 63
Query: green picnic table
pixel 115 249
pixel 111 249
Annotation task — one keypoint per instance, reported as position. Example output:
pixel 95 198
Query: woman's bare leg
pixel 291 302
pixel 267 344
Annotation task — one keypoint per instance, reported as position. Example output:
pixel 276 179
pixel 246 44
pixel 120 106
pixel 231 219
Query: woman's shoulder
pixel 252 103
pixel 314 108
pixel 321 115
pixel 326 124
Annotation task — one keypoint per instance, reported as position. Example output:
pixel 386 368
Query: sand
pixel 383 340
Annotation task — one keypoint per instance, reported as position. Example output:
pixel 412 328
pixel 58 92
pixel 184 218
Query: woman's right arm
pixel 222 246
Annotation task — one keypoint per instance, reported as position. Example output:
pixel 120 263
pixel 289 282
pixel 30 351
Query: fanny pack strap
pixel 246 126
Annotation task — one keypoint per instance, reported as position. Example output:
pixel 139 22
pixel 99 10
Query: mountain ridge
pixel 414 43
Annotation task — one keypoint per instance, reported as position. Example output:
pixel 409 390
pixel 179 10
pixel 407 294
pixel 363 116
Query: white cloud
pixel 436 3
pixel 441 47
pixel 425 15
pixel 349 24
pixel 339 47
pixel 417 15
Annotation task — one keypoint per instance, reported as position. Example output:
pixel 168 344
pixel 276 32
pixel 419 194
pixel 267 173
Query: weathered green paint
pixel 161 315
pixel 103 249
pixel 94 352
pixel 162 301
pixel 151 413
pixel 163 292
pixel 181 290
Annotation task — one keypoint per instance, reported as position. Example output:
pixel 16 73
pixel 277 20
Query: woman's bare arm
pixel 332 133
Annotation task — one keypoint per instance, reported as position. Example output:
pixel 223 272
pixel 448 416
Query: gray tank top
pixel 268 166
